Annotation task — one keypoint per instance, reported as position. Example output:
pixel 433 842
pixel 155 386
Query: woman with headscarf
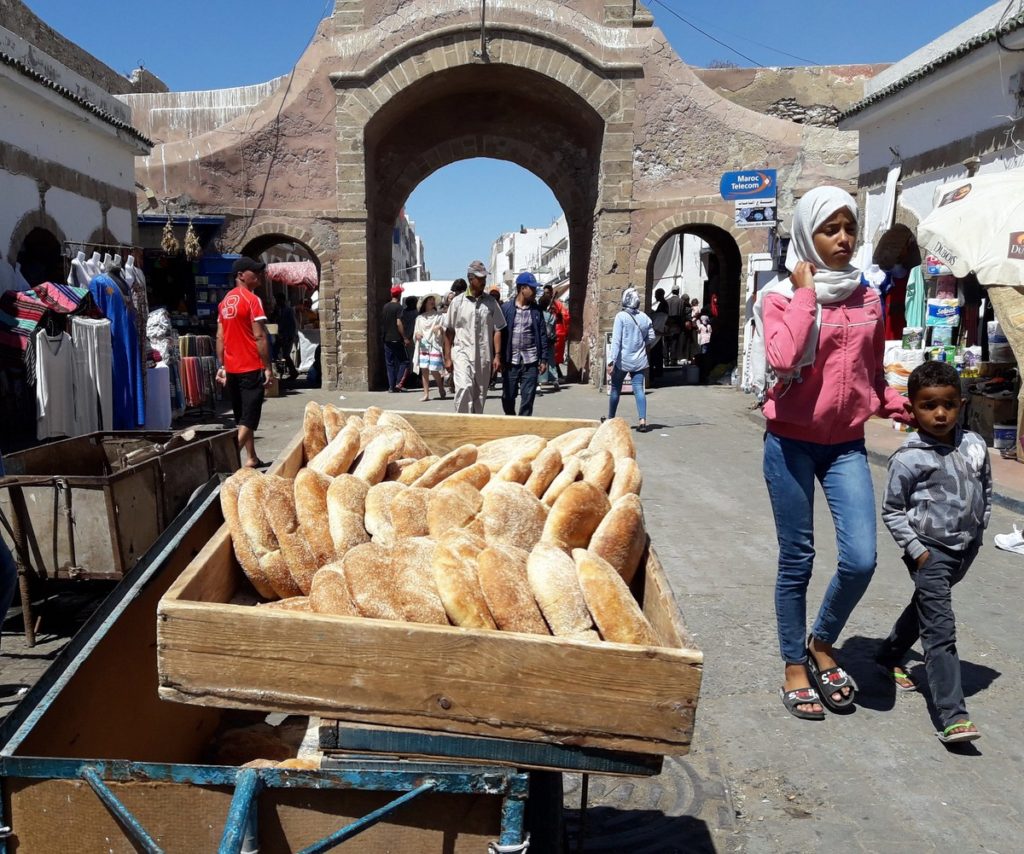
pixel 822 335
pixel 632 336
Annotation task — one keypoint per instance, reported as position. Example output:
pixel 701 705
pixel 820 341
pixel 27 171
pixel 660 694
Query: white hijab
pixel 830 286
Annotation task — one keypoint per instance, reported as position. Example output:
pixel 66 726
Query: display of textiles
pixel 196 345
pixel 199 378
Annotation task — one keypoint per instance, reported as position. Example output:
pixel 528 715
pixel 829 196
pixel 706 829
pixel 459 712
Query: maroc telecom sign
pixel 748 184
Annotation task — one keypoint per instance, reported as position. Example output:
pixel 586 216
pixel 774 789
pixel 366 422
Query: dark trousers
pixel 521 380
pixel 929 616
pixel 397 360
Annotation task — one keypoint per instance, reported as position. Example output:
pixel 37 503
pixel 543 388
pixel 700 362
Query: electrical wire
pixel 761 44
pixel 1002 18
pixel 673 12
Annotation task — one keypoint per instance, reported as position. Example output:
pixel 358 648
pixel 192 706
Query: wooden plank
pixel 456 680
pixel 660 605
pixel 444 432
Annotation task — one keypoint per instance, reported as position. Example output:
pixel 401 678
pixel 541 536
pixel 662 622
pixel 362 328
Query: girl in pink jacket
pixel 823 338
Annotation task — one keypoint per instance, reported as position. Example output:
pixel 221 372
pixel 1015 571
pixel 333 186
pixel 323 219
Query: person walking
pixel 550 376
pixel 822 334
pixel 632 336
pixel 561 313
pixel 937 504
pixel 427 335
pixel 395 337
pixel 410 312
pixel 703 333
pixel 524 347
pixel 287 334
pixel 674 309
pixel 472 341
pixel 243 353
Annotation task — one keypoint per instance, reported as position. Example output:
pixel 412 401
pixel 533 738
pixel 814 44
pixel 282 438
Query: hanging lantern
pixel 193 249
pixel 169 243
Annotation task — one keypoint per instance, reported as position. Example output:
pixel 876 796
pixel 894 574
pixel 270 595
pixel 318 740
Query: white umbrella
pixel 977 226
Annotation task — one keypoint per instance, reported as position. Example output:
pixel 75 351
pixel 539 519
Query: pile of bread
pixel 516 534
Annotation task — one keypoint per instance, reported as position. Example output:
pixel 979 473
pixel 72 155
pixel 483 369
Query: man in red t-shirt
pixel 244 353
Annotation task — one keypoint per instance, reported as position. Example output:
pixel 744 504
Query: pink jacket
pixel 831 399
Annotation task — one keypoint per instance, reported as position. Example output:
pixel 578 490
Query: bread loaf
pixel 552 576
pixel 279 495
pixel 452 505
pixel 356 421
pixel 378 519
pixel 571 468
pixel 497 452
pixel 372 415
pixel 616 612
pixel 464 455
pixel 413 471
pixel 334 421
pixel 396 467
pixel 329 592
pixel 501 571
pixel 247 559
pixel 454 566
pixel 414 444
pixel 293 603
pixel 615 437
pixel 368 434
pixel 543 470
pixel 512 516
pixel 373 462
pixel 311 511
pixel 409 512
pixel 575 516
pixel 598 469
pixel 627 479
pixel 419 600
pixel 572 442
pixel 476 475
pixel 621 537
pixel 373 581
pixel 314 438
pixel 336 458
pixel 252 502
pixel 514 471
pixel 346 508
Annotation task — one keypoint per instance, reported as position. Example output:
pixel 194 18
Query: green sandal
pixel 959 731
pixel 898 674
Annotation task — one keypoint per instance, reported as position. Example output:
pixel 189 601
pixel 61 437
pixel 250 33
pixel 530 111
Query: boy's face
pixel 937 409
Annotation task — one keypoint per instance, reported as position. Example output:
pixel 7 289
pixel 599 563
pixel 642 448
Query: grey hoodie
pixel 937 494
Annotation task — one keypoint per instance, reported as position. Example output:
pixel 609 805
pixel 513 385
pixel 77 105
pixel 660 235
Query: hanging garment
pixel 93 375
pixel 55 396
pixel 129 400
pixel 895 300
pixel 140 308
pixel 916 297
pixel 20 314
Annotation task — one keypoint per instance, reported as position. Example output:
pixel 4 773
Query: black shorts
pixel 246 393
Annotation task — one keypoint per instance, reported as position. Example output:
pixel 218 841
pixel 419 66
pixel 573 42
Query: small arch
pixel 34 219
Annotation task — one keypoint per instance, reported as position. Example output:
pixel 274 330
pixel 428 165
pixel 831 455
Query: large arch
pixel 729 246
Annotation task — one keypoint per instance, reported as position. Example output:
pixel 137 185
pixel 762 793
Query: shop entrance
pixel 705 263
pixel 40 257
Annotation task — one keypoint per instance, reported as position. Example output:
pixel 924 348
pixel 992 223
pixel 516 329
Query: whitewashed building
pixel 541 251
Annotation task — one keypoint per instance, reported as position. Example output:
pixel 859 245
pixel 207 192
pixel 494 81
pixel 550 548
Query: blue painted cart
pixel 93 760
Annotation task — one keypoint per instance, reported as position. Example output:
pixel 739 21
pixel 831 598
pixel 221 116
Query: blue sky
pixel 211 45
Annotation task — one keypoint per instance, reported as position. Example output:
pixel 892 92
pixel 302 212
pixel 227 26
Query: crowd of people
pixel 683 332
pixel 471 338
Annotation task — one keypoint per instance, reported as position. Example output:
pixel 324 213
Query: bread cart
pixel 89 507
pixel 92 759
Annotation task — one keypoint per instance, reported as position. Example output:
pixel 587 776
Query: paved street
pixel 759 780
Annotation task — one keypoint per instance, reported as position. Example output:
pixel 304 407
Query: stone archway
pixel 34 219
pixel 729 246
pixel 37 244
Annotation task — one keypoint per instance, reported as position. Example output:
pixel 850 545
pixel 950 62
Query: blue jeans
pixel 618 377
pixel 396 358
pixel 790 469
pixel 521 380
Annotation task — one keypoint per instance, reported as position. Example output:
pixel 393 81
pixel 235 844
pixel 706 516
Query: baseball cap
pixel 477 269
pixel 396 290
pixel 245 264
pixel 527 279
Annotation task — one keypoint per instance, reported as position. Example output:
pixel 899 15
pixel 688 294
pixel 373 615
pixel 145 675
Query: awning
pixel 294 273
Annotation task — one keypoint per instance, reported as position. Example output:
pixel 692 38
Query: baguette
pixel 571 468
pixel 620 538
pixel 615 437
pixel 501 571
pixel 464 455
pixel 616 612
pixel 627 479
pixel 346 507
pixel 336 458
pixel 553 580
pixel 454 567
pixel 544 470
pixel 314 438
pixel 512 516
pixel 575 516
pixel 247 558
pixel 311 510
pixel 329 592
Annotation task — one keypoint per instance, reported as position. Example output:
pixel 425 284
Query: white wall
pixel 19 196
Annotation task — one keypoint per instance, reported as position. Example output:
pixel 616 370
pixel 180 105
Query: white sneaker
pixel 1011 542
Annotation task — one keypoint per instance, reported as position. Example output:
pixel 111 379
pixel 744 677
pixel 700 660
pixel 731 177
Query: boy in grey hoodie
pixel 937 503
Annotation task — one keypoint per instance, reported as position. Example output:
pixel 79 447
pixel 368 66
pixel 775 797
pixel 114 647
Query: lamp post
pixel 394 276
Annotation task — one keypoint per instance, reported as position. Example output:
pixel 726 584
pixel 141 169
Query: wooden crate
pixel 613 696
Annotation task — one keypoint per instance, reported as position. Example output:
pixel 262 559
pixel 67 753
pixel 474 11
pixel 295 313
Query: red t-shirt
pixel 236 312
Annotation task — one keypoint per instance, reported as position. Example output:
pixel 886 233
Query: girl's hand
pixel 803 275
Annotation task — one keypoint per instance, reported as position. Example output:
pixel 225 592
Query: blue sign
pixel 748 184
